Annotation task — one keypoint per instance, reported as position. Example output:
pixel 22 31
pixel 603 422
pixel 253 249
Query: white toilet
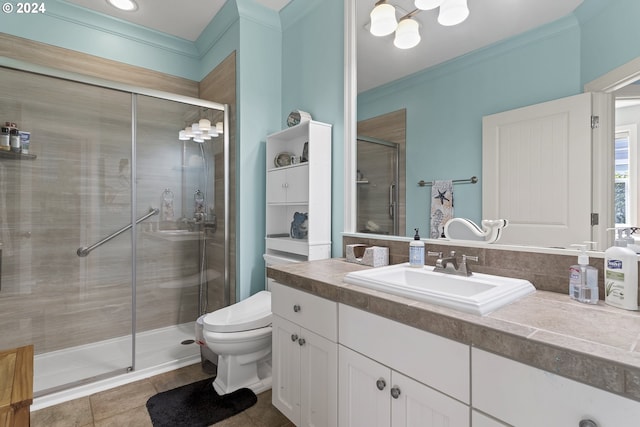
pixel 240 335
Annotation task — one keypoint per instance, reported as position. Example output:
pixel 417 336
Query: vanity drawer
pixel 309 311
pixel 433 360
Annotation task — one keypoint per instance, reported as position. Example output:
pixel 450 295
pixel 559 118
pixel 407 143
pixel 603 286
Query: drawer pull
pixel 294 337
pixel 301 341
pixel 296 308
pixel 395 392
pixel 381 384
pixel 587 423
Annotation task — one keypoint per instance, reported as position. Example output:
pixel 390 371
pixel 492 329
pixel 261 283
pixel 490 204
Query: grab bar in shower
pixel 85 250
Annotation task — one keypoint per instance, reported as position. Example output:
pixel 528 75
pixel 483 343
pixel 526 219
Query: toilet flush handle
pixel 296 308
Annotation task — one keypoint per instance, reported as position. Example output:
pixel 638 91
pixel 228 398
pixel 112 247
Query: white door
pixel 536 168
pixel 363 390
pixel 318 380
pixel 415 405
pixel 286 368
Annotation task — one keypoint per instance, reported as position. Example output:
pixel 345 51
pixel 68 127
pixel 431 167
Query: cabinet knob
pixel 294 337
pixel 381 384
pixel 296 308
pixel 301 341
pixel 395 392
pixel 587 423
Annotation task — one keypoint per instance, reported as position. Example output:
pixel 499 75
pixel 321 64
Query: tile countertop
pixel 597 345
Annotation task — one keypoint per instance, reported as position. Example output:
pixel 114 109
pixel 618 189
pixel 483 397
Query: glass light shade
pixel 220 127
pixel 126 5
pixel 213 132
pixel 453 12
pixel 195 128
pixel 205 136
pixel 407 34
pixel 198 138
pixel 383 20
pixel 204 124
pixel 189 132
pixel 182 135
pixel 428 4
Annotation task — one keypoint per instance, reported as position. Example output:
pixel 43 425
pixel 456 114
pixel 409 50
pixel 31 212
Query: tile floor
pixel 125 406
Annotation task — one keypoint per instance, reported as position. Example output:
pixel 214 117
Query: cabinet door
pixel 363 388
pixel 286 368
pixel 414 404
pixel 318 380
pixel 277 186
pixel 298 184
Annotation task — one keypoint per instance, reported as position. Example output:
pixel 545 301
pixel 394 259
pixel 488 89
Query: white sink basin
pixel 477 294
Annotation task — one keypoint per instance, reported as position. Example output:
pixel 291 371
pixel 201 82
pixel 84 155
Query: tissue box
pixel 374 256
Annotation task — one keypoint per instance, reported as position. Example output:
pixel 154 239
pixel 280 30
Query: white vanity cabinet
pixel 300 186
pixel 391 374
pixel 305 357
pixel 523 396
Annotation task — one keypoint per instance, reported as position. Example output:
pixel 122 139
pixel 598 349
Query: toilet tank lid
pixel 250 313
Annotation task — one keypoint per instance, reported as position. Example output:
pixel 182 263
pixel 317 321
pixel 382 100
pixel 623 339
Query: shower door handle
pixel 392 200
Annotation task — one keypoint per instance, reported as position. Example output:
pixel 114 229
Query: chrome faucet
pixel 449 265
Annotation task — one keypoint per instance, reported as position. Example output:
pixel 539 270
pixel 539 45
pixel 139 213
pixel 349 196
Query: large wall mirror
pixel 457 75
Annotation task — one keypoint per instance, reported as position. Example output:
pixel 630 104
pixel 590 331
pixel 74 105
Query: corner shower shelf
pixel 16 156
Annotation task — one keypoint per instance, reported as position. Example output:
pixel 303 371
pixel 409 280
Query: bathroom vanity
pixel 542 360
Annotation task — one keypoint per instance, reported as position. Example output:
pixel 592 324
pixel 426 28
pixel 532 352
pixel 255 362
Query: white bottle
pixel 416 251
pixel 583 279
pixel 621 275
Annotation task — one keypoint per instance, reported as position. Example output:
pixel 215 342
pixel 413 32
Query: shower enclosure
pixel 377 186
pixel 112 230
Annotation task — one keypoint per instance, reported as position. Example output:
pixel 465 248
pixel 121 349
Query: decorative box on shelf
pixel 373 256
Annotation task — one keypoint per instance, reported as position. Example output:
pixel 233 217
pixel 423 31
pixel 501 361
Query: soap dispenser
pixel 583 279
pixel 416 251
pixel 621 275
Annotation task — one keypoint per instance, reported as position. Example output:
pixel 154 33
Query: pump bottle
pixel 621 275
pixel 583 279
pixel 416 251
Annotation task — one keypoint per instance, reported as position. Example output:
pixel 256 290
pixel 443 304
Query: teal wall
pixel 445 104
pixel 313 81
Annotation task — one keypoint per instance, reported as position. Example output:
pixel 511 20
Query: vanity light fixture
pixel 201 131
pixel 126 5
pixel 384 22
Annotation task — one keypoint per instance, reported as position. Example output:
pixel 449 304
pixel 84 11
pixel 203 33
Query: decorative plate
pixel 283 159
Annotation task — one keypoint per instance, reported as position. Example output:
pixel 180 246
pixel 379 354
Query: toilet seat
pixel 251 313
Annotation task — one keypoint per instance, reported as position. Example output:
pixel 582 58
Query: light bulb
pixel 126 5
pixel 383 20
pixel 204 124
pixel 428 4
pixel 407 34
pixel 453 12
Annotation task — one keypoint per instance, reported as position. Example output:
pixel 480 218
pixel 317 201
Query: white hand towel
pixel 441 207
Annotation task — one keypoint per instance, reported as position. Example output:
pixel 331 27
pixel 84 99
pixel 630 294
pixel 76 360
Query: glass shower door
pixel 71 190
pixel 377 186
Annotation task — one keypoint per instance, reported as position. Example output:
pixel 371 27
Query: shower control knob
pixel 296 308
pixel 301 341
pixel 395 392
pixel 294 337
pixel 381 384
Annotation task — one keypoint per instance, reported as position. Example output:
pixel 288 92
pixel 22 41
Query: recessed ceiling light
pixel 126 5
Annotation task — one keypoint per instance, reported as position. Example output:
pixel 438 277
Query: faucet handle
pixel 469 258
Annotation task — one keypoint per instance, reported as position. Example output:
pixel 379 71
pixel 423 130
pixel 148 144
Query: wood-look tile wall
pixel 77 192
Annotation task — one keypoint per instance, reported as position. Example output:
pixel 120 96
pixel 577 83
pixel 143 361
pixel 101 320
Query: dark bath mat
pixel 197 405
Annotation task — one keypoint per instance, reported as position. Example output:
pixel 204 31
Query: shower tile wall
pixel 76 192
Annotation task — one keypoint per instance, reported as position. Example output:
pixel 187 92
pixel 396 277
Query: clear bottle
pixel 416 251
pixel 583 279
pixel 5 145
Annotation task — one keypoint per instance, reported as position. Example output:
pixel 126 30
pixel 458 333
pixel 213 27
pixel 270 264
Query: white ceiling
pixel 489 21
pixel 378 60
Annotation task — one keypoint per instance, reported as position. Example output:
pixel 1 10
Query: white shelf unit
pixel 303 187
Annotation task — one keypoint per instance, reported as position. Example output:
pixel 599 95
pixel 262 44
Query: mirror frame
pixel 603 105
